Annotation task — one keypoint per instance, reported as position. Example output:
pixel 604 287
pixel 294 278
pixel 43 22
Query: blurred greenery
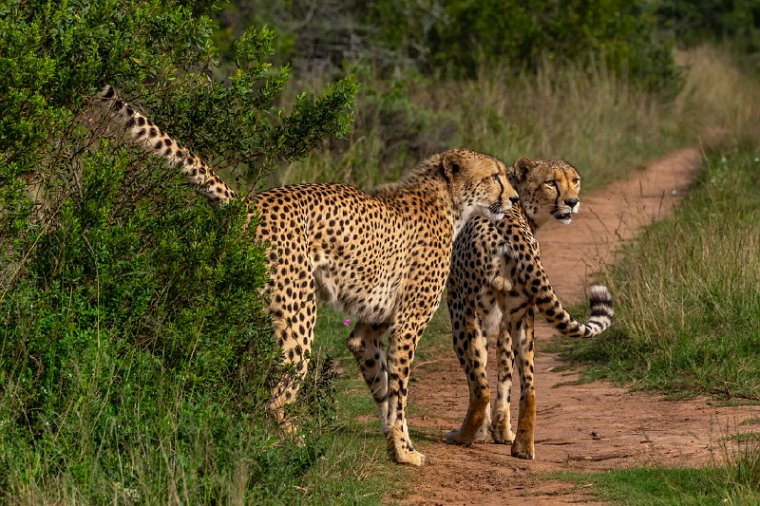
pixel 459 37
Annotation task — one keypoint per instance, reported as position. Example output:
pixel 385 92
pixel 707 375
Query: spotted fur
pixel 382 258
pixel 496 285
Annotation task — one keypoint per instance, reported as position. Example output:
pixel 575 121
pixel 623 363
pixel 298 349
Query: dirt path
pixel 594 426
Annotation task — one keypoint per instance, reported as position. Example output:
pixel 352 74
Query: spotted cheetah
pixel 383 258
pixel 496 284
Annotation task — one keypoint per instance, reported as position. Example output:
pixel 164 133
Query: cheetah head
pixel 547 188
pixel 478 183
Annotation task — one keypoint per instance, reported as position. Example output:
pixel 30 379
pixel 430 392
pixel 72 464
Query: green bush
pixel 694 22
pixel 621 34
pixel 136 355
pixel 458 38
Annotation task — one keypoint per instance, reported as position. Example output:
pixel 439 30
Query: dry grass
pixel 720 101
pixel 595 120
pixel 592 119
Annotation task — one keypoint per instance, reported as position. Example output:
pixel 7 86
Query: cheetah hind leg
pixel 366 344
pixel 501 422
pixel 296 347
pixel 523 446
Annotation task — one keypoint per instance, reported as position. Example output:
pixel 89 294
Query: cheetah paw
pixel 400 449
pixel 502 435
pixel 523 450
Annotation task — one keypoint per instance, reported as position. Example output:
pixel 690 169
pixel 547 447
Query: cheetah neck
pixel 144 133
pixel 531 223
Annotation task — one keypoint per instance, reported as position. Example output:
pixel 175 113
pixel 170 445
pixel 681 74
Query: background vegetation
pixel 135 356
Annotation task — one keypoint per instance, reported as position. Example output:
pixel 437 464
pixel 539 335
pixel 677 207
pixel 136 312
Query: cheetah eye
pixel 551 183
pixel 496 177
pixel 576 181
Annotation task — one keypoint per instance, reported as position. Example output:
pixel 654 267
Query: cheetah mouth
pixel 563 217
pixel 496 210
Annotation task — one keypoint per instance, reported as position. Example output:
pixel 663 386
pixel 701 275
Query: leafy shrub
pixel 136 356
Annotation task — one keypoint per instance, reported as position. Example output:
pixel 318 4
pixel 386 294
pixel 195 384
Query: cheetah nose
pixel 572 202
pixel 514 199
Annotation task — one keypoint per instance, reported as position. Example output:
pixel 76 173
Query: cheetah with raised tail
pixel 496 285
pixel 383 258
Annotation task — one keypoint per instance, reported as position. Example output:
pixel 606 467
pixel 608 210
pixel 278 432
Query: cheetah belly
pixel 369 298
pixel 360 278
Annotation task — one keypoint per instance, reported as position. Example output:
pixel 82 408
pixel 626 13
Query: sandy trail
pixel 593 426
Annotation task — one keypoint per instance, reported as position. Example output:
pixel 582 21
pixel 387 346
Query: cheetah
pixel 496 284
pixel 382 258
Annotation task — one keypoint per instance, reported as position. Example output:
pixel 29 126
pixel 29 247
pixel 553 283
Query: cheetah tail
pixel 600 320
pixel 147 135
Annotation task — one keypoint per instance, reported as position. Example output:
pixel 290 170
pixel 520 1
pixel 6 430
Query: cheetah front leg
pixel 366 344
pixel 471 349
pixel 523 445
pixel 501 420
pixel 403 342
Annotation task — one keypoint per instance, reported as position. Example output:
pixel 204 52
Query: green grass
pixel 743 437
pixel 354 468
pixel 665 487
pixel 735 482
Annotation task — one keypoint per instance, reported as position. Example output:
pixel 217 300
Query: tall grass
pixel 689 307
pixel 594 119
pixel 720 100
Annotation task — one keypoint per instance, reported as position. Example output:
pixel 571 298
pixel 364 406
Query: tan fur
pixel 382 258
pixel 495 286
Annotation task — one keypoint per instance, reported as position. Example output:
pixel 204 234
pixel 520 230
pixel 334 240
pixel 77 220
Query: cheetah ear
pixel 521 167
pixel 450 166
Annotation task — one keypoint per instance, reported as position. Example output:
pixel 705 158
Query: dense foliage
pixel 136 356
pixel 693 22
pixel 460 37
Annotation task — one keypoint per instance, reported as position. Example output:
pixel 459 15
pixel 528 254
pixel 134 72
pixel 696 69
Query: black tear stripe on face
pixel 501 185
